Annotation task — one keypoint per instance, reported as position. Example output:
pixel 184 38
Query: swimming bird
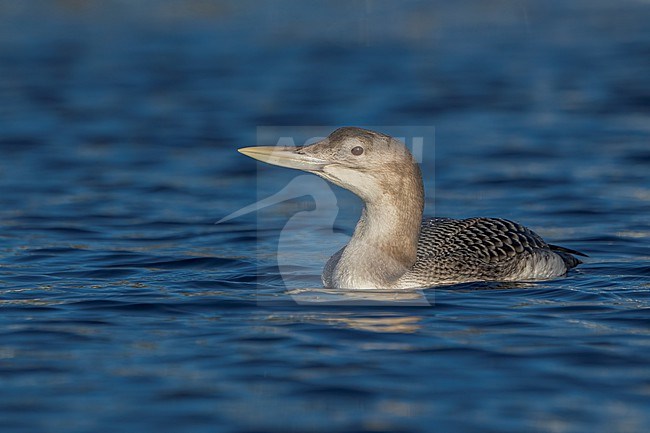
pixel 393 246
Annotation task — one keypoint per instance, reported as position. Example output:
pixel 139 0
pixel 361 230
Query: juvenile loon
pixel 393 247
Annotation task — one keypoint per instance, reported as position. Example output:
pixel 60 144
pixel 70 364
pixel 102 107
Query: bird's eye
pixel 357 150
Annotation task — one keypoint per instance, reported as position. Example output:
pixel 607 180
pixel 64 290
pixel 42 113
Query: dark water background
pixel 124 308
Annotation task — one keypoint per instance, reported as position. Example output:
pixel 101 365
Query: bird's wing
pixel 490 240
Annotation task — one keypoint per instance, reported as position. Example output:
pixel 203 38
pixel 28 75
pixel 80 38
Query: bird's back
pixel 483 249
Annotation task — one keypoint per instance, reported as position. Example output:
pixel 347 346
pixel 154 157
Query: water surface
pixel 123 307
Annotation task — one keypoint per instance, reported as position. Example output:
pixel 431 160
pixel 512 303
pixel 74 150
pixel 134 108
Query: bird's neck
pixel 384 244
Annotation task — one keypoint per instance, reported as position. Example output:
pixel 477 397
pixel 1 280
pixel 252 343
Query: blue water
pixel 123 307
